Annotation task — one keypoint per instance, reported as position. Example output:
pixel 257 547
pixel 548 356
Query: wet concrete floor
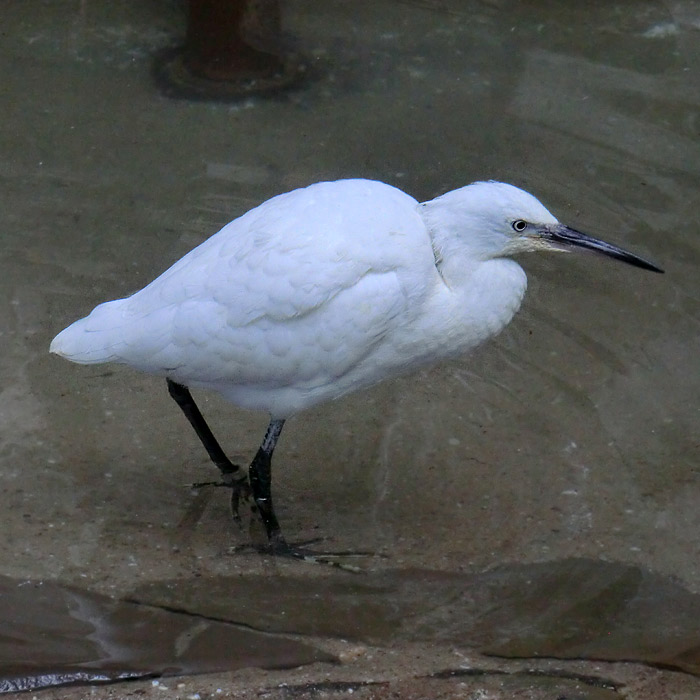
pixel 535 500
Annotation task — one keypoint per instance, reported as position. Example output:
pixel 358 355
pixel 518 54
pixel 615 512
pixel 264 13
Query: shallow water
pixel 573 434
pixel 57 635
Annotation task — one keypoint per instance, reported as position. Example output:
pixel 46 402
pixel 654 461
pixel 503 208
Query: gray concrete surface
pixel 573 434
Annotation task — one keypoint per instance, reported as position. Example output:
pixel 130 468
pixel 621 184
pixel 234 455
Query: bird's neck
pixel 455 270
pixel 460 240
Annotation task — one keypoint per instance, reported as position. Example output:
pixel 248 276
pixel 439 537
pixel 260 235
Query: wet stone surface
pixel 533 507
pixel 54 635
pixel 577 609
pixel 581 610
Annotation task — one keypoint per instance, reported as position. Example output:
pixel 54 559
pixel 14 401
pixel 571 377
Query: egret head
pixel 495 219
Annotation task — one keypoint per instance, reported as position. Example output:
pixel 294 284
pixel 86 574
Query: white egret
pixel 322 291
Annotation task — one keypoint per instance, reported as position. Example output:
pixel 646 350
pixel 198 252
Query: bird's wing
pixel 296 291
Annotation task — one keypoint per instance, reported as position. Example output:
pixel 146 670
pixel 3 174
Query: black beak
pixel 563 237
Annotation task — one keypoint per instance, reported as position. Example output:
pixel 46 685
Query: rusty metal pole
pixel 215 47
pixel 233 48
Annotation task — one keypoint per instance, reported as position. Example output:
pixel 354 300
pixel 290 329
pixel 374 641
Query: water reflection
pixel 57 635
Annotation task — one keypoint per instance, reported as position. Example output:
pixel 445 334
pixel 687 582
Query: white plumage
pixel 309 295
pixel 328 289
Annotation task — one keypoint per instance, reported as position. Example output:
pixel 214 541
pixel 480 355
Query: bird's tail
pixel 93 339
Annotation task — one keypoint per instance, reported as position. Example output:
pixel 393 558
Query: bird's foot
pixel 278 546
pixel 240 490
pixel 266 537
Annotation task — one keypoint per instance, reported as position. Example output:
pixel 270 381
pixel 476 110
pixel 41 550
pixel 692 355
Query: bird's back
pixel 289 296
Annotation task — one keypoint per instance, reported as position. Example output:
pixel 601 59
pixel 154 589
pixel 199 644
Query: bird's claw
pixel 299 551
pixel 240 489
pixel 203 484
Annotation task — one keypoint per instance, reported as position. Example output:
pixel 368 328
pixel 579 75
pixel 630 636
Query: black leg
pixel 260 471
pixel 259 481
pixel 184 400
pixel 260 474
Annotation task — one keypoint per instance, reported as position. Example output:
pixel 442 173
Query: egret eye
pixel 519 225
